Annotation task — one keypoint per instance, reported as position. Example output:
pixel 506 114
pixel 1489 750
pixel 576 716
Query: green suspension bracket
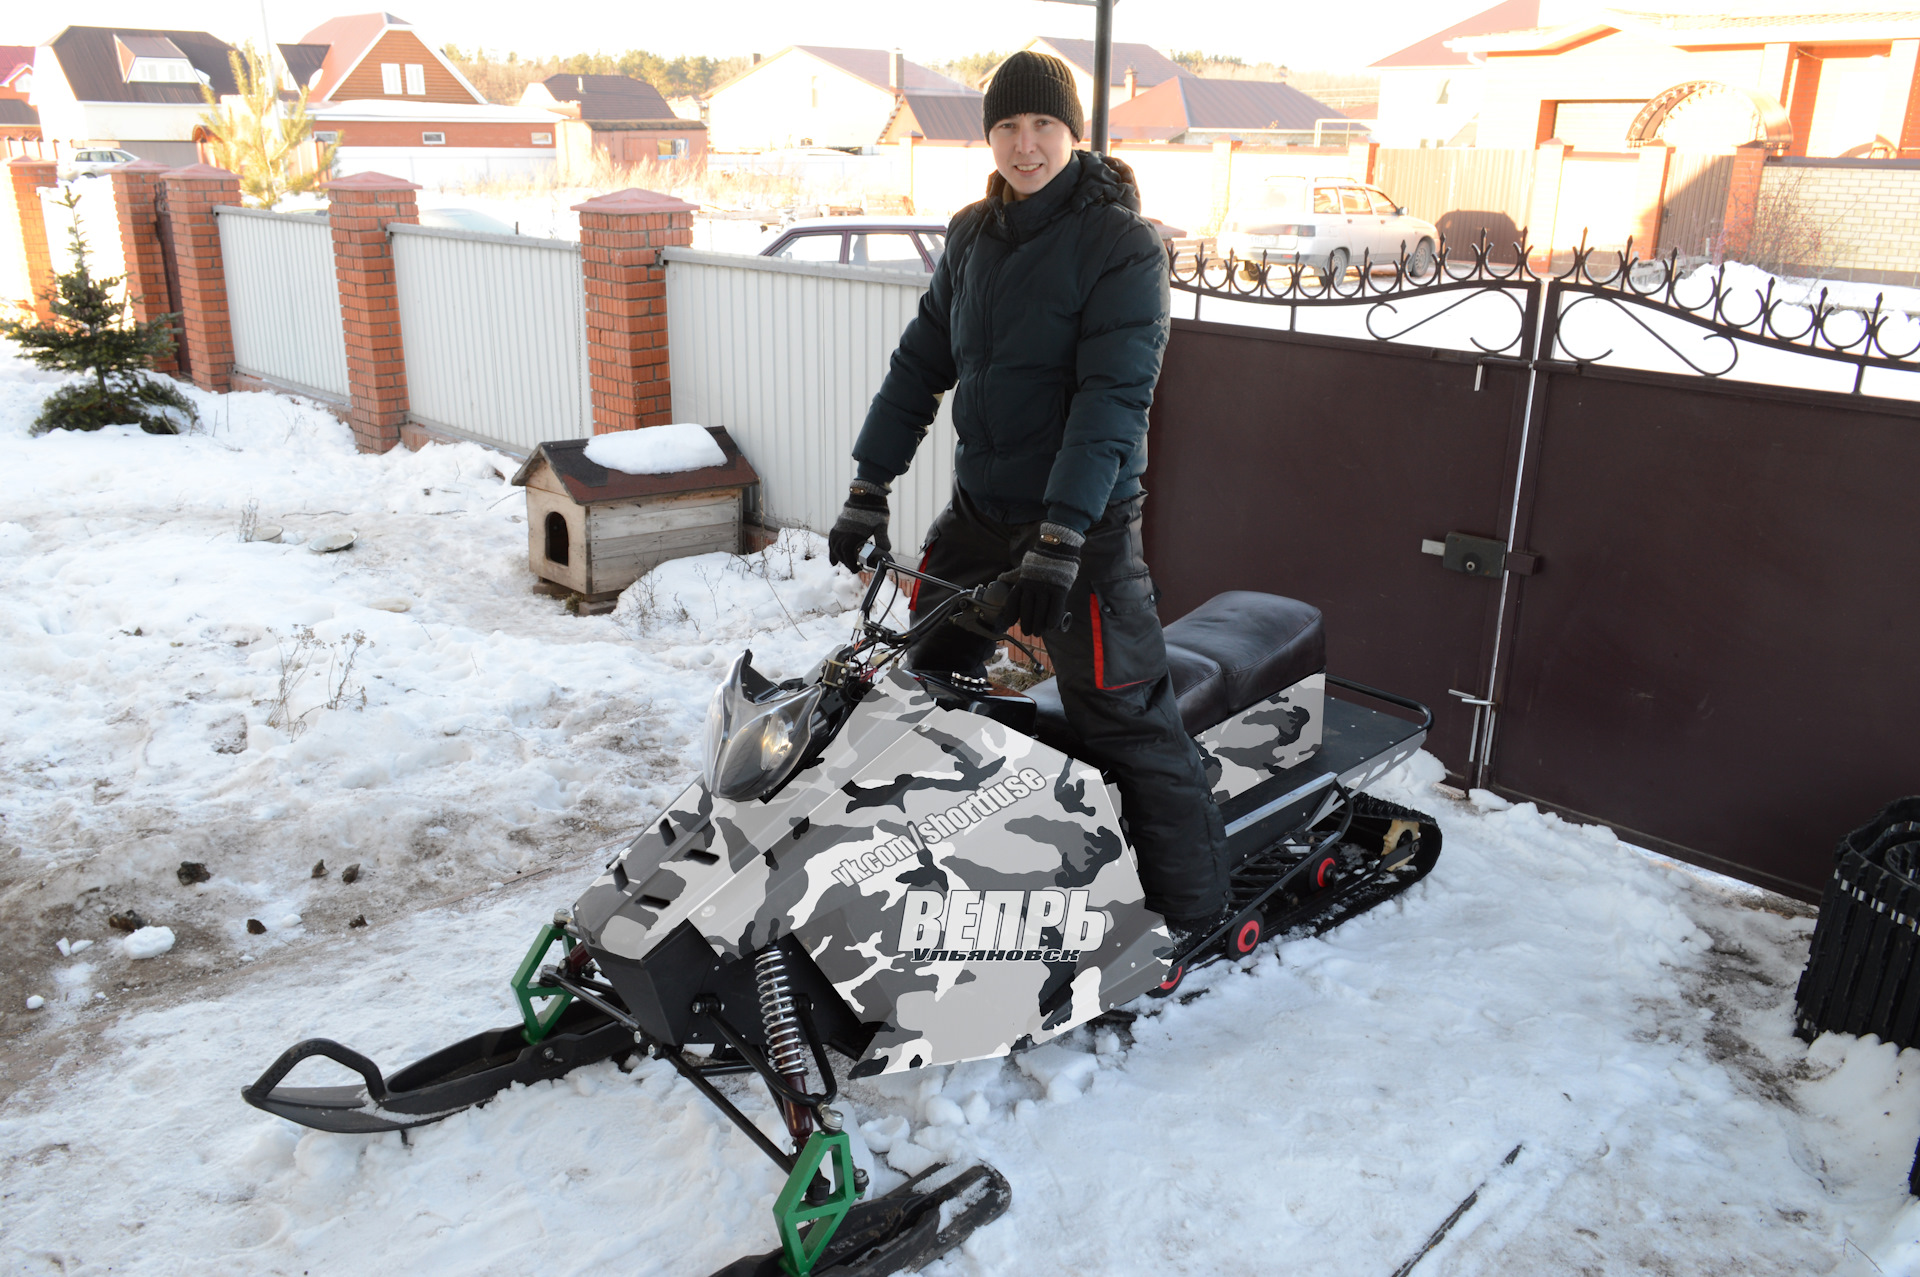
pixel 791 1209
pixel 540 1021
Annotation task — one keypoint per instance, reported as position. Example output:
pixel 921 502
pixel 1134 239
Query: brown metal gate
pixel 163 228
pixel 1281 462
pixel 1715 654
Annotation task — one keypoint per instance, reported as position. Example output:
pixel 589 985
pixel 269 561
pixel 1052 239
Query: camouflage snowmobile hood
pixel 964 886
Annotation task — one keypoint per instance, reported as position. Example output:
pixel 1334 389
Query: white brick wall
pixel 1868 212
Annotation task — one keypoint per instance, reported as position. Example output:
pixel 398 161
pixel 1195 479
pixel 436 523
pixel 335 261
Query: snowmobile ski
pixel 902 1230
pixel 469 1072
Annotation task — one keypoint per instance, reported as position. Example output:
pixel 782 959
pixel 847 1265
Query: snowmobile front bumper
pixel 451 1079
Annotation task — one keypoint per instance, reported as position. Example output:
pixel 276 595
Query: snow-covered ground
pixel 1623 1022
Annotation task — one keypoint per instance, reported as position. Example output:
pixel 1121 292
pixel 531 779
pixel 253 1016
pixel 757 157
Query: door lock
pixel 1481 556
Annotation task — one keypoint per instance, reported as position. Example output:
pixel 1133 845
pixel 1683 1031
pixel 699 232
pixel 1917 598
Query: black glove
pixel 1039 598
pixel 862 519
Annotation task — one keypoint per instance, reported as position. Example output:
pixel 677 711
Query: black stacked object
pixel 1863 974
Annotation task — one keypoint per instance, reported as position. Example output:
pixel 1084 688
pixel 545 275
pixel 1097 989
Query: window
pixel 812 248
pixel 327 136
pixel 1354 201
pixel 416 78
pixel 543 139
pixel 1325 201
pixel 433 139
pixel 389 77
pixel 933 243
pixel 813 89
pixel 670 148
pixel 888 250
pixel 1382 205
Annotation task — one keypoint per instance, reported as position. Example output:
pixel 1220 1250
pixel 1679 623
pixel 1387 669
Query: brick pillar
pixel 193 193
pixel 1650 198
pixel 135 188
pixel 1543 211
pixel 360 209
pixel 621 236
pixel 1743 198
pixel 25 177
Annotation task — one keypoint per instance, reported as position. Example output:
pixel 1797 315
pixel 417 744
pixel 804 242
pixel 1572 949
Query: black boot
pixel 1189 933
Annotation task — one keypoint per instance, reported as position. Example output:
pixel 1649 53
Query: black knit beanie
pixel 1036 83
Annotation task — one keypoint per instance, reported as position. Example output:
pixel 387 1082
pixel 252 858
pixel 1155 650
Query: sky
pixel 1316 37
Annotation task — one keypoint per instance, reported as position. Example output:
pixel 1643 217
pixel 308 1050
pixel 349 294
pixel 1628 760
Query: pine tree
pixel 260 138
pixel 93 332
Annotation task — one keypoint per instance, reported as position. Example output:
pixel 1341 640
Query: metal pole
pixel 1102 70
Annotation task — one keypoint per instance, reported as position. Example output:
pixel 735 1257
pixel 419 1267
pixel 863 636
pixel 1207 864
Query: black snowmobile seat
pixel 1233 651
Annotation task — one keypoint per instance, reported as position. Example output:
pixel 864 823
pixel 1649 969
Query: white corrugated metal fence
pixel 787 356
pixel 494 328
pixel 283 299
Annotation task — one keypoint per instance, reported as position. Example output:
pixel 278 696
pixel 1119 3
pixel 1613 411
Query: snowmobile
pixel 911 869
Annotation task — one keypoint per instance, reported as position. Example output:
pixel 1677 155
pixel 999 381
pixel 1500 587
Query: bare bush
pixel 305 658
pixel 1793 232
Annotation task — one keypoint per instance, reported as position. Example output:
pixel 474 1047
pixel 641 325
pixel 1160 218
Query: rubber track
pixel 1319 914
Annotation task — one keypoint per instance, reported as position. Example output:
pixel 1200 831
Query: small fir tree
pixel 260 138
pixel 94 333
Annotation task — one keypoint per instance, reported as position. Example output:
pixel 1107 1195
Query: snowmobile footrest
pixel 902 1231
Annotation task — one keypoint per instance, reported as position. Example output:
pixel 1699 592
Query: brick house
pixel 812 95
pixel 396 105
pixel 134 88
pixel 622 118
pixel 1834 84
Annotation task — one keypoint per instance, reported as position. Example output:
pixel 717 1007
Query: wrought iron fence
pixel 1656 302
pixel 1872 337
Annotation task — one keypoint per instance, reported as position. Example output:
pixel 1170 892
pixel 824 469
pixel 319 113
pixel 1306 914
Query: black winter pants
pixel 1111 661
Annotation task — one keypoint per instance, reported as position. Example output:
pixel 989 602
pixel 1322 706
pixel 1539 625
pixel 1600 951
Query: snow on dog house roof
pixel 589 483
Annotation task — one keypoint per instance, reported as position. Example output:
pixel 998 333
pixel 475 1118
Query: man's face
pixel 1029 150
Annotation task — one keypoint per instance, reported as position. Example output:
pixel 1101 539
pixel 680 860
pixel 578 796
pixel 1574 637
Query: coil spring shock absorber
pixel 786 1044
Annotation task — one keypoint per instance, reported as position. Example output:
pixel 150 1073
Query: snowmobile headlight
pixel 756 732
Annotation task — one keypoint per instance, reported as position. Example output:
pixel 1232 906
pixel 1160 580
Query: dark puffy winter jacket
pixel 1047 317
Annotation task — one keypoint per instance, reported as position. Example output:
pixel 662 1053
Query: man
pixel 1047 317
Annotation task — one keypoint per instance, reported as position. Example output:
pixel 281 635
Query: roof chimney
pixel 580 83
pixel 896 70
pixel 1133 83
pixel 756 59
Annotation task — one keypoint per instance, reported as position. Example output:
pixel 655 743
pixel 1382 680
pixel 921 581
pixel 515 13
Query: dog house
pixel 592 531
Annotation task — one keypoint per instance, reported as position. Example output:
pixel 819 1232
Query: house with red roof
pixel 395 104
pixel 1430 92
pixel 18 119
pixel 816 95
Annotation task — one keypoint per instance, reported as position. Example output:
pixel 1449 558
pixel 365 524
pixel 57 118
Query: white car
pixel 97 160
pixel 1328 223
